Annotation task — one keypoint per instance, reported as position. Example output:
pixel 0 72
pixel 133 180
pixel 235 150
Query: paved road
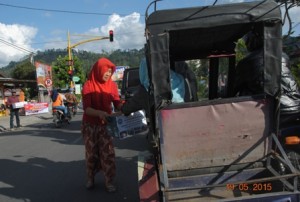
pixel 40 163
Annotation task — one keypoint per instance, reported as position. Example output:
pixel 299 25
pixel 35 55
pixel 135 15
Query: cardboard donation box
pixel 18 105
pixel 126 126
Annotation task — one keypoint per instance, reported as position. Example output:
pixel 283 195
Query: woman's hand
pixel 115 114
pixel 102 115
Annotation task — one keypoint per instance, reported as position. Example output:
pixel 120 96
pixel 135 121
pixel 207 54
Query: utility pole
pixel 70 58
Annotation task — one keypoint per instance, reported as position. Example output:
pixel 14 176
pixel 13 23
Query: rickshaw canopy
pixel 203 32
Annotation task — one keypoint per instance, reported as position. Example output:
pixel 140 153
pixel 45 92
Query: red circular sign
pixel 48 82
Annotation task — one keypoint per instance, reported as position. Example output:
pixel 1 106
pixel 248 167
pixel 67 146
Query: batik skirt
pixel 99 151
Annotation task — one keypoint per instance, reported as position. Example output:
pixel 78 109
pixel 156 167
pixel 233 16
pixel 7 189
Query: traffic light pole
pixel 70 61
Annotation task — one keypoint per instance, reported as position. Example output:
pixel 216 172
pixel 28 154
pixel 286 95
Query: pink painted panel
pixel 215 135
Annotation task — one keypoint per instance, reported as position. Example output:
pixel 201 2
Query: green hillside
pixel 129 58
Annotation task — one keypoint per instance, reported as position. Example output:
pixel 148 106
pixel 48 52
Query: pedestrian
pixel 21 95
pixel 249 79
pixel 98 94
pixel 22 99
pixel 13 111
pixel 141 99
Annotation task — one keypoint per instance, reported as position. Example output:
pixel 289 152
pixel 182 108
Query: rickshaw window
pixel 200 68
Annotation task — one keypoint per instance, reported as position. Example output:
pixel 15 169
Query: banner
pixel 36 108
pixel 43 76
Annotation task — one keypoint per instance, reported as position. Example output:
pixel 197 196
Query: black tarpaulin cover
pixel 290 95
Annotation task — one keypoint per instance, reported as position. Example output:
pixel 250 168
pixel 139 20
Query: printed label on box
pixel 126 126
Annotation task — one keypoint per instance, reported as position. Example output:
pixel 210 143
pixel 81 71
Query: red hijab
pixel 95 79
pixel 98 93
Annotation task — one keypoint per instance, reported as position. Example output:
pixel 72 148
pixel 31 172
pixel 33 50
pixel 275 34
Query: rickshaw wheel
pixel 294 157
pixel 57 120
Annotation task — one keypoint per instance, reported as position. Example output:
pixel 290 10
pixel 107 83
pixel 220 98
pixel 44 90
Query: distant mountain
pixel 129 58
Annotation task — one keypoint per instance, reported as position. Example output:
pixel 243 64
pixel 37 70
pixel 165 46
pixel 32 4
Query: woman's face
pixel 107 74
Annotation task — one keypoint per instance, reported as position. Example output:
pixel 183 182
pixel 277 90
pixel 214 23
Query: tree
pixel 200 68
pixel 296 72
pixel 241 50
pixel 26 71
pixel 60 71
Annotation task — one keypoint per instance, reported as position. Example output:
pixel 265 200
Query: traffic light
pixel 70 72
pixel 111 35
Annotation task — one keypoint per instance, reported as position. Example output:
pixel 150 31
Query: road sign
pixel 76 78
pixel 48 82
pixel 70 62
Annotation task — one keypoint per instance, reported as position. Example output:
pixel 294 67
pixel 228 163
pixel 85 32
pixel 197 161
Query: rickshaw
pixel 223 147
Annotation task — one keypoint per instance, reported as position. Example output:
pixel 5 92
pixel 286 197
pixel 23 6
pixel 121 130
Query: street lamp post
pixel 70 60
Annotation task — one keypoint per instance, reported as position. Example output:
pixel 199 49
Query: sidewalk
pixel 25 120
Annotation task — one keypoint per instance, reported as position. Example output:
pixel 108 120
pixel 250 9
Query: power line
pixel 74 35
pixel 15 46
pixel 59 11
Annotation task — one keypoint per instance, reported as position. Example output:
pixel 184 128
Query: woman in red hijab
pixel 98 94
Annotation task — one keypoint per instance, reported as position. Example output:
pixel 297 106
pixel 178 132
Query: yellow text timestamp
pixel 249 187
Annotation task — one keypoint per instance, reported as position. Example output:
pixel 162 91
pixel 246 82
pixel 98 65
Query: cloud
pixel 128 34
pixel 18 35
pixel 47 14
pixel 294 12
pixel 294 15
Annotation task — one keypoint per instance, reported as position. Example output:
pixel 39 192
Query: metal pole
pixel 70 53
pixel 70 59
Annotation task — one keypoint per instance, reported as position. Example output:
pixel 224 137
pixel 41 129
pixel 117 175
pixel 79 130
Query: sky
pixel 30 26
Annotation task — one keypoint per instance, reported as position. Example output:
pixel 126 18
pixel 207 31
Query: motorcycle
pixel 59 118
pixel 72 108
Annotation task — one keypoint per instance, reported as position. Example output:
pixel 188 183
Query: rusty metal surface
pixel 148 184
pixel 215 135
